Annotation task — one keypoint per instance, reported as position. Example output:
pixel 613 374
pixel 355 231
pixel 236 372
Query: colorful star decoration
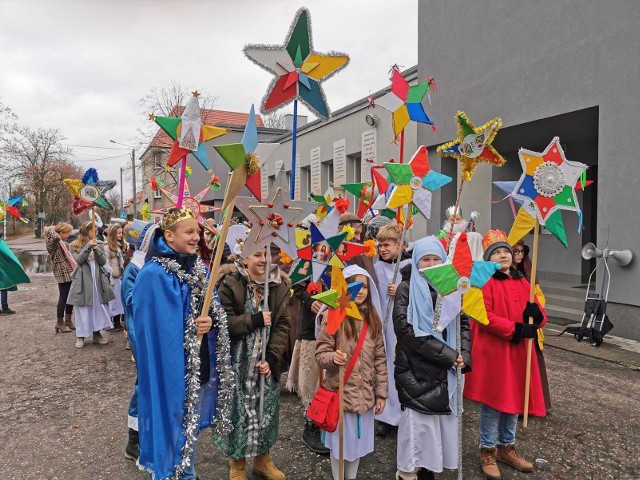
pixel 89 191
pixel 316 258
pixel 297 68
pixel 405 101
pixel 473 145
pixel 191 201
pixel 367 192
pixel 462 275
pixel 188 133
pixel 340 299
pixel 548 181
pixel 275 221
pixel 414 182
pixel 525 219
pixel 244 159
pixel 11 208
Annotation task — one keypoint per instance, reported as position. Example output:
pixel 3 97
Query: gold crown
pixel 175 216
pixel 494 236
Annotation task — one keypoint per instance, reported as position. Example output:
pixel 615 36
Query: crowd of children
pixel 198 369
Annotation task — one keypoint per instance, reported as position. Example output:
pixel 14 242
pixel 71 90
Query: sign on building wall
pixel 316 180
pixel 264 181
pixel 368 154
pixel 339 163
pixel 296 185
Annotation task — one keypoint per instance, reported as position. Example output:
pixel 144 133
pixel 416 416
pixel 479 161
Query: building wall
pixel 537 59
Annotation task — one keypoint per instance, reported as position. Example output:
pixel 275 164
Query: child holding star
pixel 366 390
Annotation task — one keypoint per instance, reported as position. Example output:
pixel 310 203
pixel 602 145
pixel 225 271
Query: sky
pixel 82 66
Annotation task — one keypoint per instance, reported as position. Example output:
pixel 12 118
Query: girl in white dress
pixel 425 371
pixel 90 291
pixel 116 246
pixel 366 390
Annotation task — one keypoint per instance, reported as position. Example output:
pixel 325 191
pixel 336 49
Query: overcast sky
pixel 82 66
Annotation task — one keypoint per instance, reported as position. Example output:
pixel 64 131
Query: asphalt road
pixel 63 412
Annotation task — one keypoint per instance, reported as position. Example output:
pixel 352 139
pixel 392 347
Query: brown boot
pixel 61 327
pixel 68 322
pixel 237 469
pixel 488 464
pixel 508 454
pixel 263 466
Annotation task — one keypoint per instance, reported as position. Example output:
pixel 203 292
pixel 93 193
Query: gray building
pixel 547 68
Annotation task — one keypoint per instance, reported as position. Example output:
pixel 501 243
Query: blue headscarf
pixel 420 309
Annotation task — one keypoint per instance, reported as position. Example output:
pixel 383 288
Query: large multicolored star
pixel 298 70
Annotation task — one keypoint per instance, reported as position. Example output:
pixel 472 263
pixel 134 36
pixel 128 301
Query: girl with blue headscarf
pixel 425 370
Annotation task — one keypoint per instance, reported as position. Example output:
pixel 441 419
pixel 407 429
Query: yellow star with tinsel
pixel 473 145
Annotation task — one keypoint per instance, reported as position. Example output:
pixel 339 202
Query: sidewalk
pixel 614 349
pixel 28 243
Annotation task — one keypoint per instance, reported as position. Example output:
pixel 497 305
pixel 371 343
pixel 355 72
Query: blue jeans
pixel 4 300
pixel 496 428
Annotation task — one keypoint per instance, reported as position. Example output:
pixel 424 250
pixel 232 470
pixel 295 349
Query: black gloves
pixel 532 310
pixel 524 330
pixel 257 320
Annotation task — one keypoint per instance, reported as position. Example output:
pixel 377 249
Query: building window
pixel 157 193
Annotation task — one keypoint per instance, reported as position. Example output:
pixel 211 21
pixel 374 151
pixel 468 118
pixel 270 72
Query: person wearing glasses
pixel 522 263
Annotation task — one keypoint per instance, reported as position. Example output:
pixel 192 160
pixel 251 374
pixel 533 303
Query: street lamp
pixel 133 173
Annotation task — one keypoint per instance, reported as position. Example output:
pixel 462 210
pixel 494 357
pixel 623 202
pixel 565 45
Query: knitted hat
pixel 348 218
pixel 493 240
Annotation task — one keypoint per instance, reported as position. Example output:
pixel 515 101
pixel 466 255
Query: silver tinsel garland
pixel 197 282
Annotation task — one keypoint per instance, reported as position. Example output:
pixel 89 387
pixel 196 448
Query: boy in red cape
pixel 499 356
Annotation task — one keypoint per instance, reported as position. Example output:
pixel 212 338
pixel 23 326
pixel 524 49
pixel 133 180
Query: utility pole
pixel 133 174
pixel 121 191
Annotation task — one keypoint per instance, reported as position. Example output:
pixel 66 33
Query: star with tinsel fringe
pixel 473 145
pixel 89 191
pixel 298 70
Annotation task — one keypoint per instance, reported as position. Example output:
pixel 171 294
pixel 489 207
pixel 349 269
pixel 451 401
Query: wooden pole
pixel 341 409
pixel 459 397
pixel 396 269
pixel 228 204
pixel 532 296
pixel 456 208
pixel 265 308
pixel 93 222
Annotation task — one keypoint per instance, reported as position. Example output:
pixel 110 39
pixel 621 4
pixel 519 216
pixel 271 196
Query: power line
pixel 103 158
pixel 93 146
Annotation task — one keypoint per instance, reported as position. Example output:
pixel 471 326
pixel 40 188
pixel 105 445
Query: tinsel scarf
pixel 197 281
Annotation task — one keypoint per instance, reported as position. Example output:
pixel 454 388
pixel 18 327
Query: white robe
pixel 384 272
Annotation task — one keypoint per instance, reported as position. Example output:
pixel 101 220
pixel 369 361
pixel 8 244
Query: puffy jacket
pixel 422 362
pixel 368 380
pixel 232 292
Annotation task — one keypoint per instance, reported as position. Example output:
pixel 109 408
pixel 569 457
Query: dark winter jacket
pixel 306 318
pixel 422 362
pixel 232 292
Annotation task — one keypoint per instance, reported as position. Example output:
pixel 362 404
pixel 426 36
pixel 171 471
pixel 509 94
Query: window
pixel 157 193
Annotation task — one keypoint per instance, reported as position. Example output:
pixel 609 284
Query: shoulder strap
pixel 356 352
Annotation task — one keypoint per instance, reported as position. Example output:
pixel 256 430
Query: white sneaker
pixel 79 342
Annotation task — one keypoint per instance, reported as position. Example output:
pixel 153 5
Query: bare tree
pixel 275 120
pixel 38 161
pixel 163 101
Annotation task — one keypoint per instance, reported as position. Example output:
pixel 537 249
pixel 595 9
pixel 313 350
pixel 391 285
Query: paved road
pixel 63 412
